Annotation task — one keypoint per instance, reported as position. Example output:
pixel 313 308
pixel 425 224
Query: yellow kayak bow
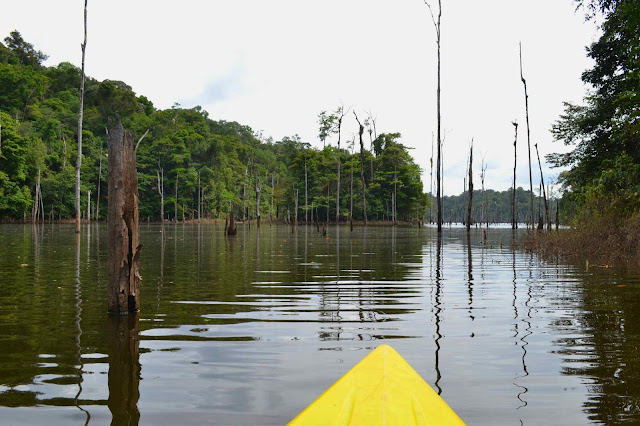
pixel 382 389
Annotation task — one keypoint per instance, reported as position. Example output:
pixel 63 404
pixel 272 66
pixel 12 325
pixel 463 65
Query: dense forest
pixel 602 181
pixel 189 165
pixel 604 165
pixel 490 206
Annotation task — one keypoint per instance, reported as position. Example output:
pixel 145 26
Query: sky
pixel 275 65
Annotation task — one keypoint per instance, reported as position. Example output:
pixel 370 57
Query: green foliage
pixel 24 51
pixel 605 132
pixel 495 207
pixel 39 111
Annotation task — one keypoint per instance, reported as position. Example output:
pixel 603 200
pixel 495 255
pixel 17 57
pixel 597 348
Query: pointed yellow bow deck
pixel 382 389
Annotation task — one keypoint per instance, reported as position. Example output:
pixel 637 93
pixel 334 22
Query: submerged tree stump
pixel 232 229
pixel 123 230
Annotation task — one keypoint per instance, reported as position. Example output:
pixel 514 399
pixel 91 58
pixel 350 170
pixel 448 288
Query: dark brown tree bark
pixel 123 230
pixel 232 228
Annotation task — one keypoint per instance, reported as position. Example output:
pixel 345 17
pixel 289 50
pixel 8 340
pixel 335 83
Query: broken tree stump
pixel 232 229
pixel 123 230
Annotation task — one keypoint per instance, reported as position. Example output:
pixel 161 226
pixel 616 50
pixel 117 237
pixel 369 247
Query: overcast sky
pixel 274 65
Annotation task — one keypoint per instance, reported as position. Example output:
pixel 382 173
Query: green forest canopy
pixel 604 164
pixel 227 161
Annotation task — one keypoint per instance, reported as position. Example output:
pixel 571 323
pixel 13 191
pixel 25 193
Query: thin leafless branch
pixel 140 140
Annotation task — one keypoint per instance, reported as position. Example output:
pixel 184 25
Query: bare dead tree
pixel 295 215
pixel 175 201
pixel 123 228
pixel 544 192
pixel 306 189
pixel 431 182
pixel 244 191
pixel 273 185
pixel 140 140
pixel 36 203
pixel 483 168
pixel 200 196
pixel 258 188
pixel 364 184
pixel 100 179
pixel 160 174
pixel 514 222
pixel 80 113
pixel 340 113
pixel 372 129
pixel 351 188
pixel 526 103
pixel 436 24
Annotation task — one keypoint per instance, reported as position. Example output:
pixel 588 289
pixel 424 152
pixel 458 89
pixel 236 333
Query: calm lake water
pixel 251 329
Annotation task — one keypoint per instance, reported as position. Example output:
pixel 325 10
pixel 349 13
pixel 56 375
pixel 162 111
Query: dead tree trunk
pixel 306 193
pixel 273 186
pixel 364 184
pixel 436 24
pixel 233 228
pixel 123 229
pixel 80 113
pixel 244 192
pixel 97 215
pixel 295 215
pixel 175 204
pixel 258 192
pixel 526 104
pixel 88 205
pixel 394 200
pixel 199 196
pixel 514 222
pixel 470 187
pixel 161 192
pixel 36 202
pixel 483 167
pixel 371 139
pixel 351 191
pixel 544 192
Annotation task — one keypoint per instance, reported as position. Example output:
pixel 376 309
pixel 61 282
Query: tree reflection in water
pixel 123 348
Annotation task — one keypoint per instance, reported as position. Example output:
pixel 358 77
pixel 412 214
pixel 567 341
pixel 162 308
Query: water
pixel 251 329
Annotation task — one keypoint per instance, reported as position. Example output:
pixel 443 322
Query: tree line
pixel 603 176
pixel 189 165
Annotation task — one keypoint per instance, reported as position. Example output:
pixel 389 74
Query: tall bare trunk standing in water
pixel 514 221
pixel 79 160
pixel 526 104
pixel 436 24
